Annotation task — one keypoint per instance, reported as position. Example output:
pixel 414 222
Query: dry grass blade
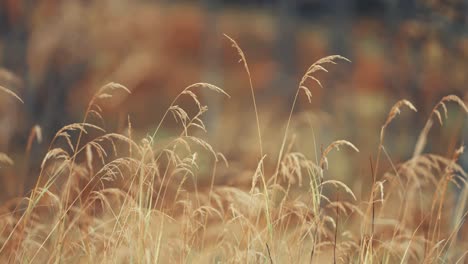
pixel 257 174
pixel 240 52
pixel 111 87
pixel 396 110
pixel 453 98
pixel 422 139
pixel 317 66
pixel 342 185
pixel 209 86
pixel 335 145
pixel 56 153
pixel 38 132
pixel 8 91
pixel 254 101
pixel 5 159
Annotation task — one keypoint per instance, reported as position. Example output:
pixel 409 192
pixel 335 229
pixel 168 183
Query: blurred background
pixel 56 54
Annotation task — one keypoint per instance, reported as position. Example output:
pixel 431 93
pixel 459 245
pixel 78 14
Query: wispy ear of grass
pixel 394 112
pixel 435 114
pixel 180 114
pixel 260 169
pixel 315 67
pixel 252 92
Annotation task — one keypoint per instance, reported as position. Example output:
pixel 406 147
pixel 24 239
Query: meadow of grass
pixel 104 197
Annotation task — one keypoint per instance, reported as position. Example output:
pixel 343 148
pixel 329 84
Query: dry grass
pixel 104 197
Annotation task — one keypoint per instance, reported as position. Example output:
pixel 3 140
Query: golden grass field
pixel 106 197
